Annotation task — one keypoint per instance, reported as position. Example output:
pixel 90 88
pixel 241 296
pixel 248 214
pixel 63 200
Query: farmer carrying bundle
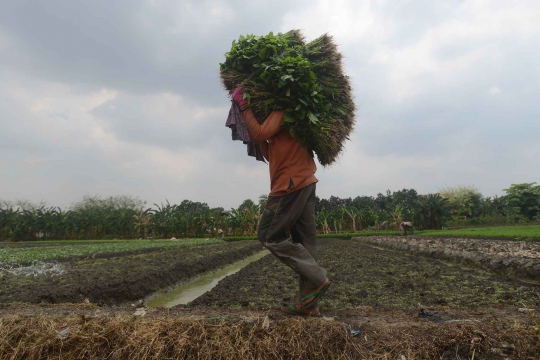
pixel 306 81
pixel 293 100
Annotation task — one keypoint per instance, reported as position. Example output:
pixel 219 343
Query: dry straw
pixel 169 338
pixel 128 337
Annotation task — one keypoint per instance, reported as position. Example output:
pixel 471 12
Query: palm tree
pixel 434 210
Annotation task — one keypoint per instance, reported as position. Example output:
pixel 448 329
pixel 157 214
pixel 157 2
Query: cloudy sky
pixel 123 97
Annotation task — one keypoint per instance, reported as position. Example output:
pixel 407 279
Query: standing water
pixel 195 288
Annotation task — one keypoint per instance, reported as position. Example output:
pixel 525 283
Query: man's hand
pixel 238 97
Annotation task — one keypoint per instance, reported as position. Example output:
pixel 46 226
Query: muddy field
pixel 513 258
pixel 118 277
pixel 390 272
pixel 365 275
pixel 506 248
pixel 401 303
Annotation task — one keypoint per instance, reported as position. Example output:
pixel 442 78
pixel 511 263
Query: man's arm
pixel 261 132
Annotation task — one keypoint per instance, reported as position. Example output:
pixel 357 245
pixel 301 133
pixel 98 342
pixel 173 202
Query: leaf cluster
pixel 250 51
pixel 281 76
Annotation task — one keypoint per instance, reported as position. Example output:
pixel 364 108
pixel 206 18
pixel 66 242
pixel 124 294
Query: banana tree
pixel 354 214
pixel 397 216
pixel 142 222
pixel 8 217
pixel 321 219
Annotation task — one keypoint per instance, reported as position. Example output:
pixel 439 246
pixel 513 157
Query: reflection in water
pixel 193 289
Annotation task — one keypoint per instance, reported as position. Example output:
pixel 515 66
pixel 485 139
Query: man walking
pixel 287 227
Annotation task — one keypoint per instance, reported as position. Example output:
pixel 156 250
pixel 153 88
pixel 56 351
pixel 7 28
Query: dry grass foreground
pixel 386 334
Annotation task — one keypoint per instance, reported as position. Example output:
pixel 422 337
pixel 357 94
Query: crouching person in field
pixel 405 227
pixel 287 227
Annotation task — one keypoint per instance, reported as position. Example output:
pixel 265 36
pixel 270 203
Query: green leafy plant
pixel 280 72
pixel 31 255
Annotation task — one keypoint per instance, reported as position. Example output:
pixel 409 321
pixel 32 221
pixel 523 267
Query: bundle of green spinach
pixel 281 72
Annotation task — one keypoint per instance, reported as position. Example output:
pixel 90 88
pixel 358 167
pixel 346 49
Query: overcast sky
pixel 123 97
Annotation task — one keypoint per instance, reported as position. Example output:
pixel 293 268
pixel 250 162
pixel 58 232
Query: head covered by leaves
pixel 282 72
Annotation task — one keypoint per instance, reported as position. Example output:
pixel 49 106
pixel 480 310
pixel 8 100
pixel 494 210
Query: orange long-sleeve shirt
pixel 291 165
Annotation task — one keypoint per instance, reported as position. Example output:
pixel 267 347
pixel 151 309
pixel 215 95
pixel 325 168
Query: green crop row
pixel 40 253
pixel 332 235
pixel 530 232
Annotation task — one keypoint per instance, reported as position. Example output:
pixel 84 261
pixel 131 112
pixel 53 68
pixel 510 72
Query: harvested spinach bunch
pixel 282 72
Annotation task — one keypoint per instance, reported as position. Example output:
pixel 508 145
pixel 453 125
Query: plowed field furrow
pixel 510 258
pixel 125 277
pixel 365 275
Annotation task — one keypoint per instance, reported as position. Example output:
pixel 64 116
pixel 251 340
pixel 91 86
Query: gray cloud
pixel 124 97
pixel 137 46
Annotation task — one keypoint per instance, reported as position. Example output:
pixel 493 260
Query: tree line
pixel 126 217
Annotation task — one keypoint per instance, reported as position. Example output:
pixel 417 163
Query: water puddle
pixel 195 288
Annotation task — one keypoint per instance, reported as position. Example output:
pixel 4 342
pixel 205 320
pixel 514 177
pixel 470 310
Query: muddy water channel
pixel 185 293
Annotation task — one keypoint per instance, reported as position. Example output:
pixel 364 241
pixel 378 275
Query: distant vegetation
pixel 126 217
pixel 39 253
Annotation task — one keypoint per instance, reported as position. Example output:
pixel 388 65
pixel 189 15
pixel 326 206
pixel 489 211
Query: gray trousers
pixel 287 228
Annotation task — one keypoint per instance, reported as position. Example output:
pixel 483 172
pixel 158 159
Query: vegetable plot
pixel 34 254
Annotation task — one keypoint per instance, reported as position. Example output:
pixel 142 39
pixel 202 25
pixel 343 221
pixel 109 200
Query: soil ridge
pixel 508 266
pixel 105 288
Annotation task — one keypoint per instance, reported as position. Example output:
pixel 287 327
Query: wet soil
pixel 402 303
pixel 124 276
pixel 365 275
pixel 510 258
pixel 194 288
pixel 505 248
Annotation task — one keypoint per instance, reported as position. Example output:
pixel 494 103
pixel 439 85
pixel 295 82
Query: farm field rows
pixel 403 301
pixel 364 275
pixel 122 276
pixel 48 251
pixel 521 232
pixel 375 271
pixel 501 256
